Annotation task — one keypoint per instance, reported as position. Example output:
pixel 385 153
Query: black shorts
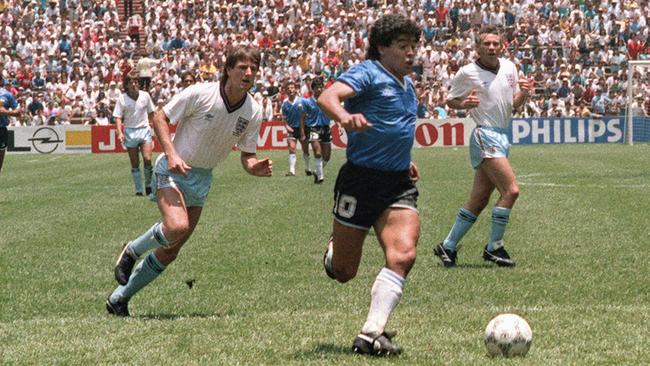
pixel 3 138
pixel 361 194
pixel 295 135
pixel 320 134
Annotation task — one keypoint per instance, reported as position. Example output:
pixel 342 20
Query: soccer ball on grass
pixel 508 335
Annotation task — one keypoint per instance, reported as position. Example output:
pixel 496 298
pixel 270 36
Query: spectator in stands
pixel 146 67
pixel 36 109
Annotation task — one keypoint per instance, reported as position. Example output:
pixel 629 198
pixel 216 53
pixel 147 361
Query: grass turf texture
pixel 579 234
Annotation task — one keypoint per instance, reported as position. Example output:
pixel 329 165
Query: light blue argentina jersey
pixel 291 112
pixel 391 107
pixel 315 116
pixel 8 102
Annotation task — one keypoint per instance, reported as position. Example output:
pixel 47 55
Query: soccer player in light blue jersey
pixel 8 108
pixel 376 186
pixel 490 89
pixel 291 114
pixel 315 127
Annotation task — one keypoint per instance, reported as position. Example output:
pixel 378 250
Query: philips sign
pixel 567 130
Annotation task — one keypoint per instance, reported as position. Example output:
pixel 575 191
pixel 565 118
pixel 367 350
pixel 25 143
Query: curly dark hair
pixel 387 29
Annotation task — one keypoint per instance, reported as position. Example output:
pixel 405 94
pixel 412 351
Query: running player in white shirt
pixel 490 89
pixel 211 118
pixel 134 109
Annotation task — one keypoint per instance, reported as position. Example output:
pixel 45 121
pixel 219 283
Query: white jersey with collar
pixel 208 128
pixel 134 113
pixel 495 92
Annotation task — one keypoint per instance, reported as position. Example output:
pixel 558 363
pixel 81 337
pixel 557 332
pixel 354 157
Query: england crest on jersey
pixel 511 80
pixel 241 125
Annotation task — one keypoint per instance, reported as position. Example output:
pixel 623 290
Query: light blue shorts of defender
pixel 488 142
pixel 194 187
pixel 134 137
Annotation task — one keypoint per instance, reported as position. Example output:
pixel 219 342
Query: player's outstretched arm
pixel 11 113
pixel 470 101
pixel 330 103
pixel 257 167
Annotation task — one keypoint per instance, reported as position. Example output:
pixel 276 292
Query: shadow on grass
pixel 470 266
pixel 176 316
pixel 321 350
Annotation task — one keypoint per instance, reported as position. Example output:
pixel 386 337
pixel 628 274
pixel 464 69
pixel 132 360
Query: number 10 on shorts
pixel 345 206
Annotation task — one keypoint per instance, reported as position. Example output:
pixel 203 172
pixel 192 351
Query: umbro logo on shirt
pixel 387 93
pixel 209 116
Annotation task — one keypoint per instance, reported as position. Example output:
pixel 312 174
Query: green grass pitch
pixel 579 234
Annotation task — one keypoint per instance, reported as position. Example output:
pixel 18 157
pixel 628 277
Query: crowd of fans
pixel 65 59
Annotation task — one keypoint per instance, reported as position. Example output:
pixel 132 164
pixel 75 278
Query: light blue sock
pixel 500 218
pixel 151 239
pixel 146 271
pixel 148 170
pixel 137 180
pixel 464 221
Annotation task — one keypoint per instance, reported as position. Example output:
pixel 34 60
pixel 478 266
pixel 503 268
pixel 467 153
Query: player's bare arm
pixel 257 167
pixel 303 137
pixel 526 89
pixel 470 101
pixel 161 128
pixel 414 172
pixel 330 103
pixel 11 113
pixel 119 129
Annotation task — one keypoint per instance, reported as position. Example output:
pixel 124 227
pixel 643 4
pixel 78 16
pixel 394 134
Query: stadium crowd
pixel 65 59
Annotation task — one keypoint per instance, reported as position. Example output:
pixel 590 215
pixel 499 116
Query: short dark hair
pixel 488 29
pixel 240 53
pixel 387 29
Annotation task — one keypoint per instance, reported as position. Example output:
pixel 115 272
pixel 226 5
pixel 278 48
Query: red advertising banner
pixel 104 140
pixel 273 136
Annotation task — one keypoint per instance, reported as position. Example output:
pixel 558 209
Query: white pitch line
pixel 559 185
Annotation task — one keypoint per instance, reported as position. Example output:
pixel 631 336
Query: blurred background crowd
pixel 65 59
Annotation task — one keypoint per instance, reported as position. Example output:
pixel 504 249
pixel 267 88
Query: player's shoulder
pixel 504 62
pixel 252 103
pixel 364 66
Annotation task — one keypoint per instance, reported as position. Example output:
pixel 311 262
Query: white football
pixel 508 335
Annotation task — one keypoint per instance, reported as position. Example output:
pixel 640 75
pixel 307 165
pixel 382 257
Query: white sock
pixel 318 167
pixel 385 296
pixel 305 157
pixel 292 163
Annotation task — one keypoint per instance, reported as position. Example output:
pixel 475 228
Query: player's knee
pixel 402 260
pixel 176 229
pixel 512 193
pixel 344 274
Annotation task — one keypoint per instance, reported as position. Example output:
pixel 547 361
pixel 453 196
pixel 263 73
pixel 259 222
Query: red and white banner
pixel 428 133
pixel 104 140
pixel 273 136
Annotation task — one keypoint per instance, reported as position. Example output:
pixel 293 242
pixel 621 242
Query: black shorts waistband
pixel 376 172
